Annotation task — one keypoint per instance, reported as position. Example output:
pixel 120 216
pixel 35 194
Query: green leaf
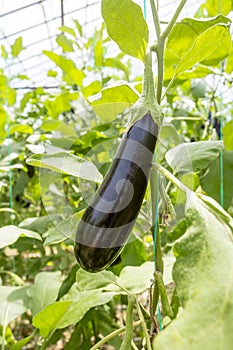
pixel 7 94
pixel 52 73
pixel 229 62
pixel 49 319
pixel 203 276
pixel 114 100
pixel 21 343
pixel 85 280
pixel 136 279
pixel 23 129
pixel 63 230
pixel 58 126
pixel 66 163
pixel 193 41
pixel 134 253
pixel 126 26
pixel 67 66
pixel 60 104
pixel 227 131
pixel 212 8
pixel 98 47
pixel 207 48
pixel 2 123
pixel 25 100
pixel 17 47
pixel 38 224
pixel 210 181
pixel 117 64
pixel 64 43
pixel 65 29
pixel 78 26
pixel 12 303
pixel 193 156
pixel 64 313
pixel 10 234
pixel 68 282
pixel 92 89
pixel 44 291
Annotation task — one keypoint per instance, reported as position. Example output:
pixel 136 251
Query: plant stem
pixel 155 18
pixel 161 37
pixel 3 337
pixel 112 335
pixel 160 63
pixel 126 344
pixel 134 346
pixel 172 178
pixel 170 25
pixel 144 328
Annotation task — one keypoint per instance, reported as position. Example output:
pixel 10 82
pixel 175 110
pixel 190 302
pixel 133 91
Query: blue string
pixel 144 8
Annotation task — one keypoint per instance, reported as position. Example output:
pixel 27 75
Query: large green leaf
pixel 66 163
pixel 12 303
pixel 114 100
pixel 195 41
pixel 68 67
pixel 126 26
pixel 193 156
pixel 64 313
pixel 213 180
pixel 135 279
pixel 44 291
pixel 203 274
pixel 10 234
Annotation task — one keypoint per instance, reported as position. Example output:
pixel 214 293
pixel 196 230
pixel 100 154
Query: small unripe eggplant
pixel 109 219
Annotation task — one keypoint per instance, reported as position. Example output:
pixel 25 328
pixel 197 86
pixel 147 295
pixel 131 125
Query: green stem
pixel 155 18
pixel 172 22
pixel 112 335
pixel 159 48
pixel 172 178
pixel 3 337
pixel 148 101
pixel 134 346
pixel 144 327
pixel 126 344
pixel 160 63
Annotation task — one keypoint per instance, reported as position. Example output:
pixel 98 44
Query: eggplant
pixel 109 219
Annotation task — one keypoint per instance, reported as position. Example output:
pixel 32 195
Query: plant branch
pixel 159 47
pixel 144 327
pixel 155 18
pixel 170 25
pixel 112 335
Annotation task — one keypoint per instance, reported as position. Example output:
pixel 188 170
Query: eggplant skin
pixel 109 219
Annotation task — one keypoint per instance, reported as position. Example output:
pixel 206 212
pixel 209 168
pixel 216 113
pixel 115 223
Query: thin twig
pixel 112 335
